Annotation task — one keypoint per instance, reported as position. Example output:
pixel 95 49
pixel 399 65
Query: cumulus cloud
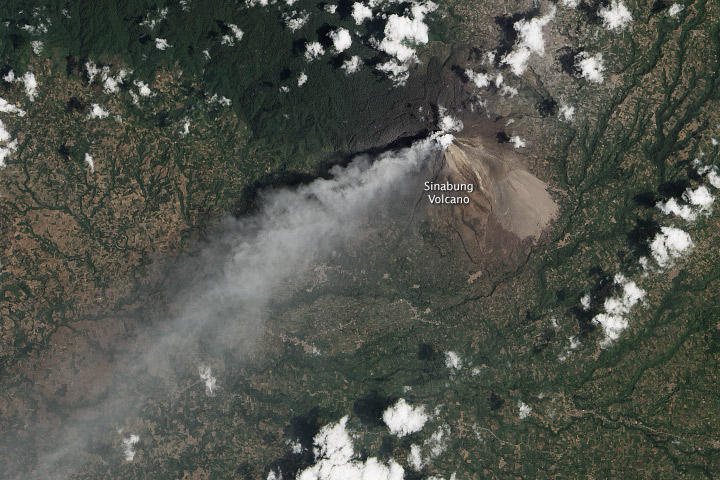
pixel 90 162
pixel 614 319
pixel 421 455
pixel 235 34
pixel 697 202
pixel 185 127
pixel 403 419
pixel 523 410
pixel 313 51
pixel 447 123
pixel 30 84
pixel 480 80
pixel 96 111
pixel 517 141
pixel 341 39
pixel 7 107
pixel 585 302
pixel 567 112
pixel 220 100
pixel 530 40
pixel 161 44
pixel 590 66
pixel 714 178
pixel 352 65
pixel 574 345
pixel 675 9
pixel 302 79
pixel 128 445
pixel 453 360
pixel 402 31
pixel 670 244
pixel 361 12
pixel 615 16
pixel 112 84
pixel 143 88
pixel 37 46
pixel 335 459
pixel 295 20
pixel 207 377
pixel 7 145
pixel 330 8
pixel 396 72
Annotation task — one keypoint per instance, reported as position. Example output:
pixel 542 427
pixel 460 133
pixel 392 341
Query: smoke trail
pixel 244 268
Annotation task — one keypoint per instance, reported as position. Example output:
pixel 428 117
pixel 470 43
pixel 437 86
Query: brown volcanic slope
pixel 509 207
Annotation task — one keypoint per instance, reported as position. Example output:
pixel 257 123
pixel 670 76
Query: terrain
pixel 487 315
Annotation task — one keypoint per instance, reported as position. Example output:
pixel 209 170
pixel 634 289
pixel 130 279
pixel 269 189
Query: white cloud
pixel 90 162
pixel 585 302
pixel 530 40
pixel 330 8
pixel 128 444
pixel 675 9
pixel 574 345
pixel 453 360
pixel 570 3
pixel 672 207
pixel 30 84
pixel 714 178
pixel 296 20
pixel 161 44
pixel 207 377
pixel 37 46
pixel 185 127
pixel 92 70
pixel 111 84
pixel 699 202
pixel 614 318
pixel 616 16
pixel 670 244
pixel 7 107
pixel 480 80
pixel 313 51
pixel 236 34
pixel 448 123
pixel 523 409
pixel 341 39
pixel 98 112
pixel 433 447
pixel 398 73
pixel 352 65
pixel 567 112
pixel 591 67
pixel 9 77
pixel 143 88
pixel 361 13
pixel 152 22
pixel 517 141
pixel 403 419
pixel 224 101
pixel 302 79
pixel 508 91
pixel 9 147
pixel 700 197
pixel 335 459
pixel 400 31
